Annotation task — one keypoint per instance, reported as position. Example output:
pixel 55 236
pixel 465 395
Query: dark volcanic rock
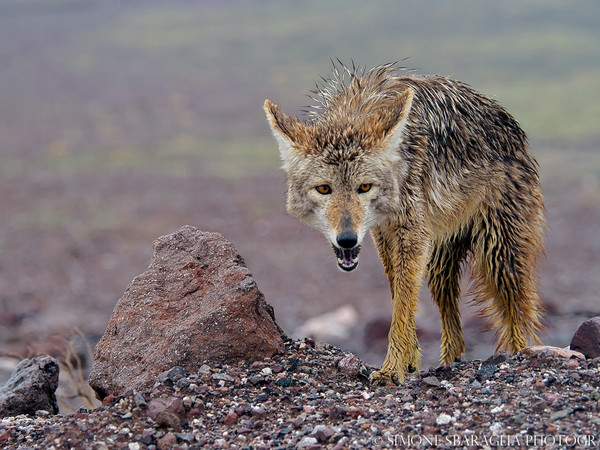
pixel 31 388
pixel 196 303
pixel 587 338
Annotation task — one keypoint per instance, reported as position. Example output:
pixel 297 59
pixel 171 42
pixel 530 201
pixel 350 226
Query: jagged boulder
pixel 196 303
pixel 31 388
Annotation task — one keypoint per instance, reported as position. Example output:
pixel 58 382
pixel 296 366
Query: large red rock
pixel 197 303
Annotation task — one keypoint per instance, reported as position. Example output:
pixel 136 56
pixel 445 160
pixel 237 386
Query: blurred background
pixel 121 121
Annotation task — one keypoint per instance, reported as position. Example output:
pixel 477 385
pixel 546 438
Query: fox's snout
pixel 346 250
pixel 346 245
pixel 347 239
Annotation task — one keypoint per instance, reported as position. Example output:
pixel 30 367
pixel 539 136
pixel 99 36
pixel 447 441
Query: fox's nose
pixel 347 239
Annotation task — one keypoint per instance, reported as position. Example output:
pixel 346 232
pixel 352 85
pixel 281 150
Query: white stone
pixel 443 419
pixel 307 441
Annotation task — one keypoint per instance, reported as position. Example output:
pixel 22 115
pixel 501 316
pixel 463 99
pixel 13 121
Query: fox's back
pixel 463 149
pixel 459 122
pixel 448 118
pixel 473 150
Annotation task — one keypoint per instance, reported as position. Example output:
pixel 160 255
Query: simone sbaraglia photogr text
pixel 512 440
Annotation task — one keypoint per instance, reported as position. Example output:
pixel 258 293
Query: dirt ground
pixel 316 396
pixel 70 244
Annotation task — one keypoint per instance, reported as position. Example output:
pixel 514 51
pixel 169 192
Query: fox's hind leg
pixel 507 244
pixel 443 274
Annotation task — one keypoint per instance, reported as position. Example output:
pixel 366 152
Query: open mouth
pixel 347 258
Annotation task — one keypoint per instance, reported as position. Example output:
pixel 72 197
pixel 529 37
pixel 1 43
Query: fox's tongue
pixel 347 257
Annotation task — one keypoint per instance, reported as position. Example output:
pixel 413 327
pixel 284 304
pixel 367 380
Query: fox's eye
pixel 324 189
pixel 365 187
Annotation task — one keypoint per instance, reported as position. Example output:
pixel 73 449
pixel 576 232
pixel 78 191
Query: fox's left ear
pixel 393 120
pixel 287 130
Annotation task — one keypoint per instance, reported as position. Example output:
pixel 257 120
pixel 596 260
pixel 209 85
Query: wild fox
pixel 436 172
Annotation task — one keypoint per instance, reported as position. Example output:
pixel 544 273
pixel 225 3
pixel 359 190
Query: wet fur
pixel 454 179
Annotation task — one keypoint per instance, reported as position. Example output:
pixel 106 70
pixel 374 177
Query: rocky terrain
pixel 314 395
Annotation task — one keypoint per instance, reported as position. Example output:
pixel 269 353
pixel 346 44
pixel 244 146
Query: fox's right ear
pixel 287 131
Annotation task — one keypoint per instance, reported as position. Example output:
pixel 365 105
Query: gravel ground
pixel 317 396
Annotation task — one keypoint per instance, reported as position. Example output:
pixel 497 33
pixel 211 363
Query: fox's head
pixel 344 169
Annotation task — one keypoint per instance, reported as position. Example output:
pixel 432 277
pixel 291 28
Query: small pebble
pixel 496 410
pixel 230 418
pixel 307 441
pixel 222 377
pixel 432 381
pixel 443 419
pixel 139 400
pixel 285 382
pixel 263 397
pixel 204 369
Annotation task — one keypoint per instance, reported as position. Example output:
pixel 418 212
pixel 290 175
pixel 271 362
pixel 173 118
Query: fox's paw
pixel 385 377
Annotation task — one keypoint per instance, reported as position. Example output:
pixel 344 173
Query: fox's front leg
pixel 403 253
